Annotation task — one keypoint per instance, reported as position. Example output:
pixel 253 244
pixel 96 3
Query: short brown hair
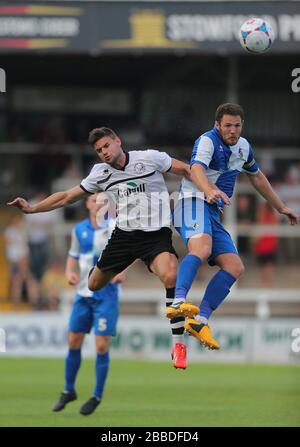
pixel 100 132
pixel 229 109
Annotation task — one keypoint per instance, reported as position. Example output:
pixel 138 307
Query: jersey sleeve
pixel 74 251
pixel 251 166
pixel 89 184
pixel 203 151
pixel 161 160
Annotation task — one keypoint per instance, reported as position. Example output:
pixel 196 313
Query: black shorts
pixel 124 247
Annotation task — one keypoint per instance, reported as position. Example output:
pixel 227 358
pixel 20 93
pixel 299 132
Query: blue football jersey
pixel 223 163
pixel 87 245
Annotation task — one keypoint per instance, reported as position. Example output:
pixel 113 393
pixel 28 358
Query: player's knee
pixel 75 340
pixel 102 348
pixel 203 252
pixel 93 284
pixel 168 277
pixel 237 269
pixel 74 345
pixel 240 269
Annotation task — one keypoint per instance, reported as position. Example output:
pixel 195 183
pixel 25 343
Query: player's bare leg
pixel 99 279
pixel 164 266
pixel 231 263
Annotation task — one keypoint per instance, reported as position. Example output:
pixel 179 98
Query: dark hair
pixel 229 109
pixel 100 132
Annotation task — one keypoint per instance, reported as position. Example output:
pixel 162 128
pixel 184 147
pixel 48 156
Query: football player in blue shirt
pixel 218 157
pixel 97 309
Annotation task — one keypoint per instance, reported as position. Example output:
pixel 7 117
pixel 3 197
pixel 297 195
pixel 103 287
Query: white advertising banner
pixel 139 337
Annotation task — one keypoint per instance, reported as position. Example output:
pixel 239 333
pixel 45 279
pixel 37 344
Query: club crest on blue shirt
pixel 84 234
pixel 240 152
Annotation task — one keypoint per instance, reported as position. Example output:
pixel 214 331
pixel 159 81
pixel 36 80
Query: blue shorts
pixel 102 314
pixel 193 216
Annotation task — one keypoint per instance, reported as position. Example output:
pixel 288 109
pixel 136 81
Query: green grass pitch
pixel 152 394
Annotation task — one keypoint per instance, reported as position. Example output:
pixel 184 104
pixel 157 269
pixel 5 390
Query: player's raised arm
pixel 56 200
pixel 263 186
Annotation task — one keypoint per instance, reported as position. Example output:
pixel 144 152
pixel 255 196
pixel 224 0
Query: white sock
pixel 177 339
pixel 201 319
pixel 178 300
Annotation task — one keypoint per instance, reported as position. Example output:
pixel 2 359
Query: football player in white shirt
pixel 135 180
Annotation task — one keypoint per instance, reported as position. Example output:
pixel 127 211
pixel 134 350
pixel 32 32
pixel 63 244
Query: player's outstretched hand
pixel 290 213
pixel 22 204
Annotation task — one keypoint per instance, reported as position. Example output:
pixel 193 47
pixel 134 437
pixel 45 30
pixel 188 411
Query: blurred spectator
pixel 289 192
pixel 17 253
pixel 54 282
pixel 38 230
pixel 266 245
pixel 244 216
pixel 267 162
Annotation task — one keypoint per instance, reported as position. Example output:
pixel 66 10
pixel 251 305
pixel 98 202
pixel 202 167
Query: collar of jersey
pixel 125 164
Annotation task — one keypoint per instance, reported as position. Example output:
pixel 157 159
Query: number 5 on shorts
pixel 102 324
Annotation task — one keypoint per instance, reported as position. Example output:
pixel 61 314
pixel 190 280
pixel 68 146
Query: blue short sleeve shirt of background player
pixel 87 246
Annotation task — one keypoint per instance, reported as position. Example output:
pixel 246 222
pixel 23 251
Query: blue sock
pixel 72 365
pixel 186 274
pixel 101 367
pixel 216 291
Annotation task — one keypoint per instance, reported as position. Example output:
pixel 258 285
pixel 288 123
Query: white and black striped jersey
pixel 138 189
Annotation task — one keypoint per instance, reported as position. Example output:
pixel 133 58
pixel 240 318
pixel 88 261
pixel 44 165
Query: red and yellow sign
pixel 32 18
